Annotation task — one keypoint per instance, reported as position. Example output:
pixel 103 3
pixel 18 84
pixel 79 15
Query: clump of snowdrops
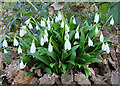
pixel 59 44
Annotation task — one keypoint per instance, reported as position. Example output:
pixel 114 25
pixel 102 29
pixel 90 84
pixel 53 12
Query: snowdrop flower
pixel 107 48
pixel 42 41
pixel 56 19
pixel 77 35
pixel 67 28
pixel 59 16
pixel 15 42
pixel 49 26
pixel 30 26
pixel 96 19
pixel 96 30
pixel 74 21
pixel 46 33
pixel 5 51
pixel 77 28
pixel 23 27
pixel 33 48
pixel 62 24
pixel 67 44
pixel 66 36
pixel 37 27
pixel 22 66
pixel 90 43
pixel 5 44
pixel 112 21
pixel 22 32
pixel 19 50
pixel 27 21
pixel 103 47
pixel 43 23
pixel 48 21
pixel 50 47
pixel 45 38
pixel 101 37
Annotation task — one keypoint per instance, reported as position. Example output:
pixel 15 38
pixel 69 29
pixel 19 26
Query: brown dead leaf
pixel 58 5
pixel 114 78
pixel 91 71
pixel 93 8
pixel 113 55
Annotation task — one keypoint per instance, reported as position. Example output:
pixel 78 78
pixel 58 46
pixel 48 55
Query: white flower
pixel 90 43
pixel 67 44
pixel 74 21
pixel 50 47
pixel 43 24
pixel 48 21
pixel 23 27
pixel 103 47
pixel 5 44
pixel 96 19
pixel 46 33
pixel 62 24
pixel 77 28
pixel 45 38
pixel 30 26
pixel 19 50
pixel 101 37
pixel 77 35
pixel 22 32
pixel 27 21
pixel 33 48
pixel 67 28
pixel 59 16
pixel 107 48
pixel 37 27
pixel 66 36
pixel 5 51
pixel 42 41
pixel 22 66
pixel 49 26
pixel 56 19
pixel 15 42
pixel 112 21
pixel 96 30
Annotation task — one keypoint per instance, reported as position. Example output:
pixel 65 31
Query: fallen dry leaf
pixel 58 5
pixel 93 8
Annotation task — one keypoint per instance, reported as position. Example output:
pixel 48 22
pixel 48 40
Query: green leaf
pixel 79 65
pixel 7 57
pixel 28 74
pixel 64 66
pixel 26 59
pixel 48 70
pixel 87 60
pixel 59 37
pixel 29 14
pixel 22 10
pixel 71 34
pixel 52 65
pixel 72 62
pixel 73 49
pixel 82 39
pixel 39 66
pixel 86 72
pixel 55 45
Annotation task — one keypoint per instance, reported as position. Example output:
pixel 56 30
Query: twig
pixel 32 5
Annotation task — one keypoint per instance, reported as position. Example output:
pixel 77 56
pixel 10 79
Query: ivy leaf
pixel 7 57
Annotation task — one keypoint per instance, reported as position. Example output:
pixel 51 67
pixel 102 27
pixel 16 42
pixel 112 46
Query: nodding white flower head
pixel 5 44
pixel 22 32
pixel 50 47
pixel 45 38
pixel 107 48
pixel 23 27
pixel 33 48
pixel 37 27
pixel 48 21
pixel 74 21
pixel 42 41
pixel 5 51
pixel 22 66
pixel 56 19
pixel 49 26
pixel 103 47
pixel 67 28
pixel 90 43
pixel 77 35
pixel 15 42
pixel 46 33
pixel 67 44
pixel 96 19
pixel 96 30
pixel 30 26
pixel 77 28
pixel 101 37
pixel 62 24
pixel 59 16
pixel 112 21
pixel 19 50
pixel 43 23
pixel 66 36
pixel 27 21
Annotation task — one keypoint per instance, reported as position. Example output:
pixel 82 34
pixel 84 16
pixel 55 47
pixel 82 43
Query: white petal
pixel 33 48
pixel 74 21
pixel 5 51
pixel 46 33
pixel 48 21
pixel 67 45
pixel 77 35
pixel 23 27
pixel 101 37
pixel 56 19
pixel 22 32
pixel 30 26
pixel 62 24
pixel 15 43
pixel 19 50
pixel 66 36
pixel 5 44
pixel 112 22
pixel 43 24
pixel 59 17
pixel 103 47
pixel 37 27
pixel 96 19
pixel 96 30
pixel 22 66
pixel 45 38
pixel 27 21
pixel 67 28
pixel 49 26
pixel 107 48
pixel 42 41
pixel 90 43
pixel 50 47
